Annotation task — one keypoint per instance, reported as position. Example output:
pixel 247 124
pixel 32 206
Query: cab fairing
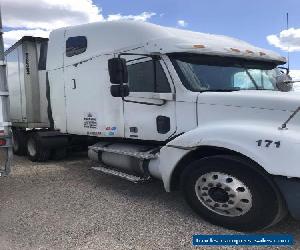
pixel 116 36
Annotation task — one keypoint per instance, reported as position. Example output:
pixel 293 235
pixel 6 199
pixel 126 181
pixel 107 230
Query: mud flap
pixel 290 189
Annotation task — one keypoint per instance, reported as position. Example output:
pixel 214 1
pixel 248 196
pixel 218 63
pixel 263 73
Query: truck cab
pixel 167 69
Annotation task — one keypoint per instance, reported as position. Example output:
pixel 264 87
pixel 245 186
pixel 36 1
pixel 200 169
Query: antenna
pixel 288 53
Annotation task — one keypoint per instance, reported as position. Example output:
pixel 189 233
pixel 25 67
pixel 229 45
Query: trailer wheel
pixel 226 191
pixel 19 142
pixel 35 151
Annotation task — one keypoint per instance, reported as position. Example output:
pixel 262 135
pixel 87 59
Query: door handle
pixel 163 124
pixel 74 84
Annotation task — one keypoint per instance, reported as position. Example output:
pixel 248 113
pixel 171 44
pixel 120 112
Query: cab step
pixel 122 175
pixel 140 152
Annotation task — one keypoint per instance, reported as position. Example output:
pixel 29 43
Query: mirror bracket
pixel 285 68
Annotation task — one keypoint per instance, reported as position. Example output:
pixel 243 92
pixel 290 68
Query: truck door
pixel 149 110
pixel 90 108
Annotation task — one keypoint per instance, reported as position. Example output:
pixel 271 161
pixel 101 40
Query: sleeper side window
pixel 142 77
pixel 76 45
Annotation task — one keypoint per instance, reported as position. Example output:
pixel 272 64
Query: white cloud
pixel 38 18
pixel 48 14
pixel 287 40
pixel 10 37
pixel 182 23
pixel 141 17
pixel 295 74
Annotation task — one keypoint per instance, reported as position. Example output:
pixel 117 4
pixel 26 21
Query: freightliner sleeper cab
pixel 202 113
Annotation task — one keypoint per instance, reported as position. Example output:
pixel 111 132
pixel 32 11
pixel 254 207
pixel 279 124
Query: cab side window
pixel 76 45
pixel 142 77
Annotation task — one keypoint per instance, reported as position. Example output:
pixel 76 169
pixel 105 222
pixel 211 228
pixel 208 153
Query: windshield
pixel 215 73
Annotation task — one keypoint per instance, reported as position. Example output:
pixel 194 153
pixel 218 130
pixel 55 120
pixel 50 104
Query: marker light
pixel 2 142
pixel 235 50
pixel 262 53
pixel 249 51
pixel 198 46
pixel 283 58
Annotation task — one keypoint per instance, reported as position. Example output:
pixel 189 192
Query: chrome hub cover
pixel 223 194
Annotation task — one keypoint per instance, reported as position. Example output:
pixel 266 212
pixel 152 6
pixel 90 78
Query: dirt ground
pixel 65 205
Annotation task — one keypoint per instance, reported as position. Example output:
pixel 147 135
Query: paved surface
pixel 64 205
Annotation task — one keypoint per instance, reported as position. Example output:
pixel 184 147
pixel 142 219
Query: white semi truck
pixel 203 113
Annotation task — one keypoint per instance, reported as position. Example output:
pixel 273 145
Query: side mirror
pixel 119 90
pixel 117 70
pixel 284 82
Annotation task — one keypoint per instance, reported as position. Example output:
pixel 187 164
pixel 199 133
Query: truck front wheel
pixel 226 191
pixel 36 151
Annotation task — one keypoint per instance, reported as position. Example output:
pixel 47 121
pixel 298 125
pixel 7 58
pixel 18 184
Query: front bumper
pixel 290 189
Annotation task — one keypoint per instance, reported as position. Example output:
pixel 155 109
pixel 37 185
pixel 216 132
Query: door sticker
pixel 110 131
pixel 90 120
pixel 94 127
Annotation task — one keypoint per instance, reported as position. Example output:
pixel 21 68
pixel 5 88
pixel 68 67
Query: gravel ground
pixel 64 205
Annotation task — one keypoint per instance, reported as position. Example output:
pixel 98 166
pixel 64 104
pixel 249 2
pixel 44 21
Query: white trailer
pixel 26 73
pixel 203 113
pixel 33 132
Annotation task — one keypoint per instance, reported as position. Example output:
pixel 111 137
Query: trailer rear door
pixel 15 77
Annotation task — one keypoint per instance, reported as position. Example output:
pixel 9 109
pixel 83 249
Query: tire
pixel 19 142
pixel 59 154
pixel 226 191
pixel 35 151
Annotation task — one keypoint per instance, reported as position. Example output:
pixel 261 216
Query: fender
pixel 274 149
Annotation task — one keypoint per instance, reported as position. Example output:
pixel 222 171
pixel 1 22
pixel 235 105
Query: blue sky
pixel 252 20
pixel 261 23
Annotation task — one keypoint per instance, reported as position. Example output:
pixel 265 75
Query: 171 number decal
pixel 268 143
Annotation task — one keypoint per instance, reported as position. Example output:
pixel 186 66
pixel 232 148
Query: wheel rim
pixel 31 147
pixel 223 194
